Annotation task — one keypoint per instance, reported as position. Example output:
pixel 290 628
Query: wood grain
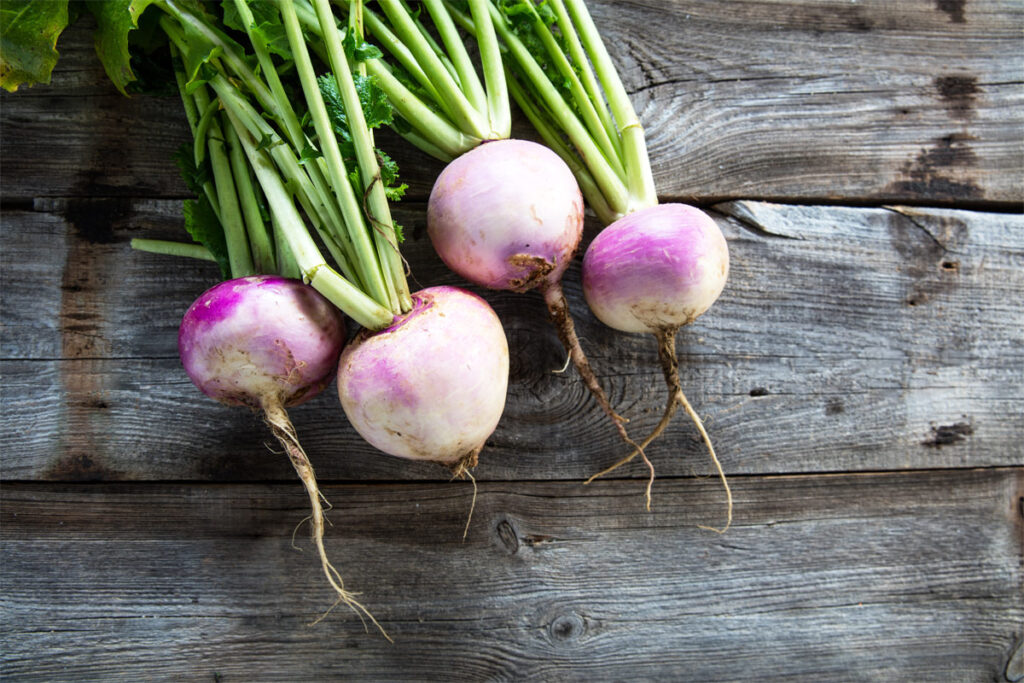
pixel 917 576
pixel 870 349
pixel 847 340
pixel 810 100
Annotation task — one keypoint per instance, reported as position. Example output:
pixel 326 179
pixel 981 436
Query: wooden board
pixel 847 339
pixel 916 101
pixel 867 577
pixel 861 376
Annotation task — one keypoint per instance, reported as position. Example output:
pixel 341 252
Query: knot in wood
pixel 567 627
pixel 508 536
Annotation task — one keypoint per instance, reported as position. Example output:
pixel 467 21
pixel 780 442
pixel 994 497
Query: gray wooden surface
pixel 861 376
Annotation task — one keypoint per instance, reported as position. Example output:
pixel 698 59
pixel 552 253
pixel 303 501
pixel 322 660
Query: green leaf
pixel 376 106
pixel 389 177
pixel 198 52
pixel 357 49
pixel 202 224
pixel 522 17
pixel 266 22
pixel 195 176
pixel 309 153
pixel 28 40
pixel 115 19
pixel 377 109
pixel 267 141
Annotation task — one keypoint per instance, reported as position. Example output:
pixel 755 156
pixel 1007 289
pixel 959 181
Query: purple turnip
pixel 268 343
pixel 654 271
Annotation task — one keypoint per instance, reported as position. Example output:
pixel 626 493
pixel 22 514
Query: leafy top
pixel 28 41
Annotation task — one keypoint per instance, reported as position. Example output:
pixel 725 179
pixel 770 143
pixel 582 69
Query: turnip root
pixel 654 271
pixel 268 343
pixel 432 386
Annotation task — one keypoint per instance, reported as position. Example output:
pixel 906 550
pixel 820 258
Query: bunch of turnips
pixel 292 200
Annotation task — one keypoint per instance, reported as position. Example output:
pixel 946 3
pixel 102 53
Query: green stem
pixel 498 110
pixel 434 134
pixel 463 114
pixel 394 46
pixel 456 50
pixel 365 258
pixel 227 52
pixel 313 198
pixel 259 239
pixel 286 265
pixel 191 114
pixel 587 112
pixel 312 266
pixel 432 42
pixel 612 186
pixel 375 199
pixel 445 140
pixel 193 117
pixel 168 248
pixel 639 175
pixel 230 214
pixel 329 215
pixel 586 73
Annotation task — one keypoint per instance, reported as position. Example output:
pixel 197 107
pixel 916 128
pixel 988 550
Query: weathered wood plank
pixel 847 339
pixel 872 577
pixel 873 101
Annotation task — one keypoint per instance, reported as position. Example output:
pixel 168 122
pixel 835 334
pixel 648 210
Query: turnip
pixel 509 215
pixel 268 343
pixel 654 271
pixel 431 386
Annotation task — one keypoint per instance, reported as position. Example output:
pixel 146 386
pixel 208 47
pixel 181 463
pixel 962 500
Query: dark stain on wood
pixel 856 20
pixel 954 8
pixel 928 175
pixel 843 18
pixel 79 467
pixel 923 245
pixel 946 435
pixel 834 406
pixel 86 411
pixel 959 94
pixel 94 220
pixel 759 391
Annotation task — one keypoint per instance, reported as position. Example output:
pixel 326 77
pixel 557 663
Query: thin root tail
pixel 561 318
pixel 676 398
pixel 670 368
pixel 281 426
pixel 463 468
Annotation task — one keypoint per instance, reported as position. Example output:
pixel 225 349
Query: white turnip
pixel 432 386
